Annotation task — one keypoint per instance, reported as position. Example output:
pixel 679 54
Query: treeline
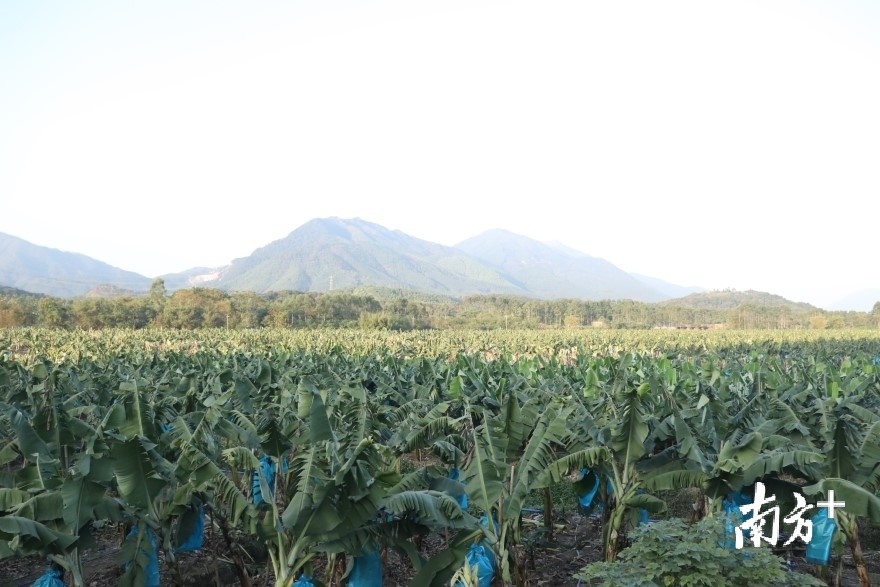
pixel 210 308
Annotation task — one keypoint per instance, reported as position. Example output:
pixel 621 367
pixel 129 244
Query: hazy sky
pixel 732 144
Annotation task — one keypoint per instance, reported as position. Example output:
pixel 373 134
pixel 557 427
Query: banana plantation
pixel 326 450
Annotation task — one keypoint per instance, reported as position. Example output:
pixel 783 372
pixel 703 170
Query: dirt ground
pixel 576 543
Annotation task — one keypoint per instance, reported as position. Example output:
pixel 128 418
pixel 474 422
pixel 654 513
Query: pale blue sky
pixel 721 144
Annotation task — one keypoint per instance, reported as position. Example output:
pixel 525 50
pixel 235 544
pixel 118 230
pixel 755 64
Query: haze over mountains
pixel 341 254
pixel 49 271
pixel 548 271
pixel 862 300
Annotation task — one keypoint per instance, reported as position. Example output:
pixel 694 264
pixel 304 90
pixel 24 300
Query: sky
pixel 725 145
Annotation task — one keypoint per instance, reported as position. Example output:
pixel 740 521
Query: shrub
pixel 672 553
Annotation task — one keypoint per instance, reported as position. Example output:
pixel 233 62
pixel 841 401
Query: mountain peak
pixel 352 229
pixel 337 253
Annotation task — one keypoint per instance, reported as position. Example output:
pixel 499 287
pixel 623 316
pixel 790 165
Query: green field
pixel 142 430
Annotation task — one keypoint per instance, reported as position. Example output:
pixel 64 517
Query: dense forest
pixel 397 310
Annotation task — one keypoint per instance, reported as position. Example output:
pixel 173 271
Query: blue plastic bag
pixel 303 581
pixel 644 518
pixel 819 548
pixel 481 558
pixel 586 499
pixel 733 514
pixel 51 578
pixel 152 569
pixel 461 498
pixel 367 571
pixel 267 467
pixel 196 538
pixel 484 521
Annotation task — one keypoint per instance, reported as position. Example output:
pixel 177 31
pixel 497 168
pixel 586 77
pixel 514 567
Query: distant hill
pixel 49 271
pixel 110 291
pixel 732 299
pixel 555 271
pixel 332 253
pixel 14 292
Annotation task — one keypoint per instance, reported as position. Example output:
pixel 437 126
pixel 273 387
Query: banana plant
pixel 620 414
pixel 719 454
pixel 50 502
pixel 843 416
pixel 341 495
pixel 524 447
pixel 154 470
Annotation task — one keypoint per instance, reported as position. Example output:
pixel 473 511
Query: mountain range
pixel 343 254
pixel 43 270
pixel 334 253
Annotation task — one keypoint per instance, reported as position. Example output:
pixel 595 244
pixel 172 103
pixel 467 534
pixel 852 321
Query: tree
pixel 196 308
pixel 248 310
pixel 158 292
pixel 158 296
pixel 17 311
pixel 53 313
pixel 818 322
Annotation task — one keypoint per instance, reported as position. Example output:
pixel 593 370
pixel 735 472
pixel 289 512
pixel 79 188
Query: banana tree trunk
pixel 244 578
pixel 850 527
pixel 71 563
pixel 702 508
pixel 611 532
pixel 283 576
pixel 77 576
pixel 548 512
pixel 520 576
